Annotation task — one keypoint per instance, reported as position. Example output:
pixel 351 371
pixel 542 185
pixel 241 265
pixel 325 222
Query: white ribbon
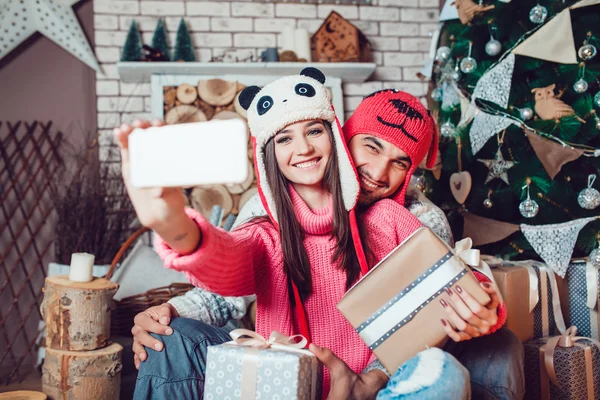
pixel 245 337
pixel 472 257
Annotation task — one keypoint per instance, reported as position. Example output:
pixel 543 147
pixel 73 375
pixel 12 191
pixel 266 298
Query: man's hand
pixel 345 383
pixel 154 320
pixel 470 318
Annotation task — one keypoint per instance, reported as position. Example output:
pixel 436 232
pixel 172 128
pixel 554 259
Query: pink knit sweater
pixel 249 261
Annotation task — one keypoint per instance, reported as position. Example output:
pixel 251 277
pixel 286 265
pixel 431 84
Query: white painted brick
pixel 252 10
pixel 415 88
pixel 377 57
pixel 108 104
pixel 106 22
pixel 218 24
pixel 203 55
pixel 212 39
pixel 348 12
pixel 368 28
pixel 387 73
pixel 106 137
pixel 415 44
pixel 417 15
pixel 107 88
pixel 147 104
pixel 108 54
pixel 116 7
pixel 234 55
pixel 399 29
pixel 428 29
pixel 207 8
pixel 351 102
pixel 130 117
pixel 109 38
pixel 403 59
pixel 384 43
pixel 108 120
pixel 311 25
pixel 148 24
pixel 361 89
pixel 254 40
pixel 272 24
pixel 399 3
pixel 109 154
pixel 372 13
pixel 429 3
pixel 109 71
pixel 410 73
pixel 144 24
pixel 296 10
pixel 162 8
pixel 347 115
pixel 135 89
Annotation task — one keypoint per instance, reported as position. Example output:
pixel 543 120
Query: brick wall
pixel 398 30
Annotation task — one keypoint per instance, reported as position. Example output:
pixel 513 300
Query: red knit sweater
pixel 249 261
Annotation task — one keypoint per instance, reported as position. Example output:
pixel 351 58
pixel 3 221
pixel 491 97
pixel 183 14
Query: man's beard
pixel 366 199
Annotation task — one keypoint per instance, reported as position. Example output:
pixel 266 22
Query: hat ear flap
pixel 313 73
pixel 247 95
pixel 433 147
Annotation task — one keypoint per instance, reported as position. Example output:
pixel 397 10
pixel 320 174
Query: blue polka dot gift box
pixel 252 367
pixel 395 307
pixel 579 297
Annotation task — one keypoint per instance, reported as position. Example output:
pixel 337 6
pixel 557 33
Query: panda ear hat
pixel 286 101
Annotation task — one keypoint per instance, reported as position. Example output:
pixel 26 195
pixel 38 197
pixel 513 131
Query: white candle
pixel 302 44
pixel 287 39
pixel 82 265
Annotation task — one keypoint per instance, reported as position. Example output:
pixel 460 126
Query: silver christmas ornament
pixel 595 257
pixel 581 86
pixel 468 65
pixel 448 129
pixel 420 184
pixel 497 167
pixel 442 54
pixel 538 14
pixel 597 99
pixel 587 52
pixel 598 123
pixel 493 47
pixel 487 203
pixel 526 113
pixel 437 94
pixel 528 208
pixel 589 198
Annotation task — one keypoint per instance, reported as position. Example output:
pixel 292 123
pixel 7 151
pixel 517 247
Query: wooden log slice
pixel 237 188
pixel 246 196
pixel 203 199
pixel 23 395
pixel 238 108
pixel 83 374
pixel 170 96
pixel 186 93
pixel 206 108
pixel 227 115
pixel 77 314
pixel 217 92
pixel 184 114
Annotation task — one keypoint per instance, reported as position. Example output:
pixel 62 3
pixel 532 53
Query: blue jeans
pixel 492 366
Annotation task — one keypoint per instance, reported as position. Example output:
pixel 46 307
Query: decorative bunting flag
pixel 552 42
pixel 495 83
pixel 484 230
pixel 584 3
pixel 555 242
pixel 449 11
pixel 552 155
pixel 484 127
pixel 467 111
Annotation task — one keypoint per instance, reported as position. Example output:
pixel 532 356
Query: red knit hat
pixel 400 119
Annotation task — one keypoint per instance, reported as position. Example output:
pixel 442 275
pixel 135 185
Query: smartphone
pixel 186 155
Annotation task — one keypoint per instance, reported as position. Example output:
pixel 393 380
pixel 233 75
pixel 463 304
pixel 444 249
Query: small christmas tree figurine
pixel 159 40
pixel 184 49
pixel 132 49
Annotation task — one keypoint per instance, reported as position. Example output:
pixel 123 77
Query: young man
pixel 382 139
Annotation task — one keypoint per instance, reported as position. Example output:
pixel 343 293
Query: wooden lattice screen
pixel 29 157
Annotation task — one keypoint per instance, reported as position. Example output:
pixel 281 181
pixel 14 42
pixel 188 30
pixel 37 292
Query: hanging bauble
pixel 581 86
pixel 538 14
pixel 455 75
pixel 587 52
pixel 597 99
pixel 437 94
pixel 421 184
pixel 597 123
pixel 595 257
pixel 468 65
pixel 442 54
pixel 448 129
pixel 487 203
pixel 493 47
pixel 526 113
pixel 589 198
pixel 529 208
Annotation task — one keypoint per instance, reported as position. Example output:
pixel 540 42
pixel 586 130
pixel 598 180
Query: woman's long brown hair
pixel 296 264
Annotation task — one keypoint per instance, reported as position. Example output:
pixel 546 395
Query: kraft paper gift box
pixel 395 307
pixel 531 296
pixel 579 298
pixel 565 367
pixel 256 368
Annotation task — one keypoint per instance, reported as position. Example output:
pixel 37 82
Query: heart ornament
pixel 460 186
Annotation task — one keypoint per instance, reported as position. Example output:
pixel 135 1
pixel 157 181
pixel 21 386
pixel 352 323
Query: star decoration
pixel 498 167
pixel 55 19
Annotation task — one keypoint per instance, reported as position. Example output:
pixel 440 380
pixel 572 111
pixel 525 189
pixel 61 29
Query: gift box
pixel 562 367
pixel 251 367
pixel 395 308
pixel 579 299
pixel 531 296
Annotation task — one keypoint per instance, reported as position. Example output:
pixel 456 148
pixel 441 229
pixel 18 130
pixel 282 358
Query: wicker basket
pixel 127 308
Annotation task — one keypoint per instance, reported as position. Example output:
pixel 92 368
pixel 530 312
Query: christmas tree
pixel 132 49
pixel 159 40
pixel 184 48
pixel 516 94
